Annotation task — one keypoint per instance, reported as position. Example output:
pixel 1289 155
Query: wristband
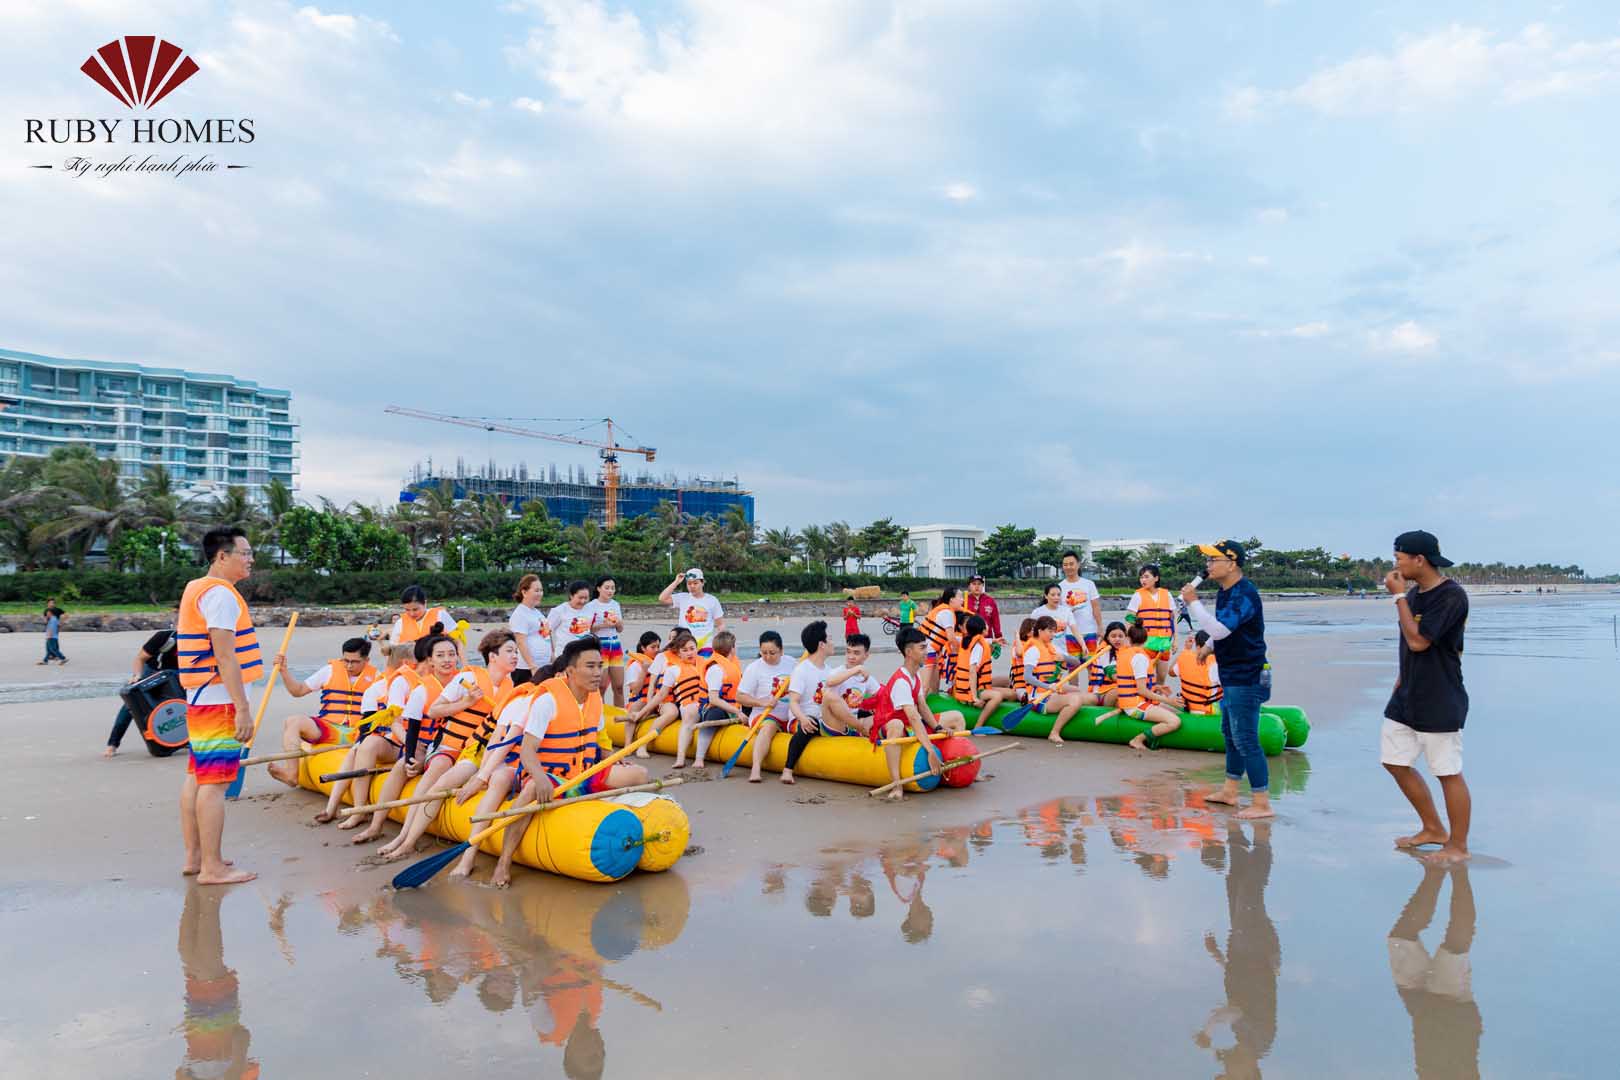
pixel 1400 597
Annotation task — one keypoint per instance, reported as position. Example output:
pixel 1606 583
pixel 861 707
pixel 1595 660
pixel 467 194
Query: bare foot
pixel 366 837
pixel 110 751
pixel 1252 812
pixel 1139 743
pixel 1418 839
pixel 461 872
pixel 1222 797
pixel 325 818
pixel 229 877
pixel 756 780
pixel 1055 739
pixel 286 774
pixel 894 796
pixel 787 778
pixel 679 765
pixel 388 855
pixel 643 753
pixel 352 822
pixel 191 870
pixel 1446 856
pixel 501 878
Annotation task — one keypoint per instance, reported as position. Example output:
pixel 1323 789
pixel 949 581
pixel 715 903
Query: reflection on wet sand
pixel 216 1041
pixel 546 946
pixel 1438 990
pixel 1252 958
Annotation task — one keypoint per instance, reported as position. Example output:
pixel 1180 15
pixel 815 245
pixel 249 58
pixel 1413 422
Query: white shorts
pixel 1401 745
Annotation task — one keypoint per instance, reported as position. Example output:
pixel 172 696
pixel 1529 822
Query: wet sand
pixel 1081 911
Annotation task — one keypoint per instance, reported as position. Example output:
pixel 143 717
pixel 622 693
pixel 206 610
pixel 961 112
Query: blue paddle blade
pixel 725 770
pixel 423 871
pixel 241 777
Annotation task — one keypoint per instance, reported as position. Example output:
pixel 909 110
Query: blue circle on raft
pixel 919 764
pixel 616 846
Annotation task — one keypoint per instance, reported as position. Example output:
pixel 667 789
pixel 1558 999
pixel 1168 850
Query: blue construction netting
pixel 573 504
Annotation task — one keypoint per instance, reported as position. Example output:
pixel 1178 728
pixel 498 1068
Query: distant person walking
pixel 53 635
pixel 1426 711
pixel 908 610
pixel 1238 630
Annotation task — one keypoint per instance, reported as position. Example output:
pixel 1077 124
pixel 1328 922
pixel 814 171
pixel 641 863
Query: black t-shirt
pixel 1430 695
pixel 161 646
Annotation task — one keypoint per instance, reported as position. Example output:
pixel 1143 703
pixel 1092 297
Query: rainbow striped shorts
pixel 214 749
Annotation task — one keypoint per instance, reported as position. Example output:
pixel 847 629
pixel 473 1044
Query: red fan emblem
pixel 139 69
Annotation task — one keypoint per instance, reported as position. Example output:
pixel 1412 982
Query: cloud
pixel 348 27
pixel 1407 337
pixel 961 192
pixel 1272 215
pixel 1443 68
pixel 529 104
pixel 468 100
pixel 1304 331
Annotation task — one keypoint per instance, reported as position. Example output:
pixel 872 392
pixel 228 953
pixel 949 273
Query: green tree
pixel 149 548
pixel 840 544
pixel 1007 552
pixel 83 501
pixel 278 500
pixel 532 539
pixel 22 511
pixel 588 545
pixel 635 545
pixel 779 547
pixel 716 547
pixel 884 537
pixel 1115 564
pixel 1049 552
pixel 233 507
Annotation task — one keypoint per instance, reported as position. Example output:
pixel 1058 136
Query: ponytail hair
pixel 523 586
pixel 1026 629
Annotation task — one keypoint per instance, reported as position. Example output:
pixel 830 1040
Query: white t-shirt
pixel 806 681
pixel 463 685
pixel 1141 666
pixel 1077 597
pixel 853 691
pixel 904 693
pixel 567 624
pixel 1032 658
pixel 220 612
pixel 529 623
pixel 714 680
pixel 1059 615
pixel 656 669
pixel 318 678
pixel 599 610
pixel 542 710
pixel 699 615
pixel 399 691
pixel 761 681
pixel 372 699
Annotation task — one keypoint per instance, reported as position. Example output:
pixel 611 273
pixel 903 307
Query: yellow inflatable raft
pixel 845 758
pixel 595 841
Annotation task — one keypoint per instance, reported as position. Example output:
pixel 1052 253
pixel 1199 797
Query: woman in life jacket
pixel 972 684
pixel 940 628
pixel 1138 695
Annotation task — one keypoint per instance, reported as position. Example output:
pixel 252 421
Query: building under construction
pixel 574 495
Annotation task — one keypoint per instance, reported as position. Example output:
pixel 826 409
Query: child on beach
pixel 1153 608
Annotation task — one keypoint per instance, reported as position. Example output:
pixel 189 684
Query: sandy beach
pixel 1082 904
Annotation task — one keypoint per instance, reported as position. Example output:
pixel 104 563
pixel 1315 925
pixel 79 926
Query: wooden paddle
pixel 350 811
pixel 904 740
pixel 759 722
pixel 1016 717
pixel 943 769
pixel 423 870
pixel 235 788
pixel 293 755
pixel 351 774
pixel 540 808
pixel 1107 715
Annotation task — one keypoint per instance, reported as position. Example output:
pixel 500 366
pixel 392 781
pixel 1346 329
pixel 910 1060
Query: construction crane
pixel 608 450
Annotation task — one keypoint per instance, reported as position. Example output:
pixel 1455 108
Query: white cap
pixel 694 573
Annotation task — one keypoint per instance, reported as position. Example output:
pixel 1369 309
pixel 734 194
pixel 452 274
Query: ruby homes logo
pixel 138 71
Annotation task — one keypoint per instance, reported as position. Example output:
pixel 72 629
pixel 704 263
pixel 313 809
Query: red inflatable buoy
pixel 958 746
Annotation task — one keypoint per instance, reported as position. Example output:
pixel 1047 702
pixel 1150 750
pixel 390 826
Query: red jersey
pixel 852 615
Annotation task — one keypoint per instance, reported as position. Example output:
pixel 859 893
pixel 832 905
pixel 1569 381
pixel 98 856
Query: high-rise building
pixel 208 431
pixel 576 495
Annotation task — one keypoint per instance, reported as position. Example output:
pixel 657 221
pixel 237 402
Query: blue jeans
pixel 53 649
pixel 1240 728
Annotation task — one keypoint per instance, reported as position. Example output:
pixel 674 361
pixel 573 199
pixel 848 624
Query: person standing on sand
pixel 219 656
pixel 907 610
pixel 695 610
pixel 852 617
pixel 1427 709
pixel 53 636
pixel 1238 629
pixel 983 605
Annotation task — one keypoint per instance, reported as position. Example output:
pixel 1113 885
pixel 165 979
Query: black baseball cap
pixel 1224 549
pixel 1418 542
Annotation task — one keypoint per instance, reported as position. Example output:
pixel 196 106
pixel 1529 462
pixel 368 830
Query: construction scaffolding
pixel 574 494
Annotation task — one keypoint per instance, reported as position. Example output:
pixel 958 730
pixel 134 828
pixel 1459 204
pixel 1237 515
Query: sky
pixel 1100 268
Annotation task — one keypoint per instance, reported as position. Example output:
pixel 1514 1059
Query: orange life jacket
pixel 966 674
pixel 1155 612
pixel 1045 669
pixel 1130 697
pixel 570 745
pixel 413 629
pixel 1197 689
pixel 939 638
pixel 730 677
pixel 643 689
pixel 194 649
pixel 477 720
pixel 688 684
pixel 1016 672
pixel 340 697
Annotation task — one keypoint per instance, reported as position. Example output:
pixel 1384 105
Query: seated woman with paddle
pixel 972 684
pixel 467 708
pixel 1042 682
pixel 560 741
pixel 439 659
pixel 377 747
pixel 1138 696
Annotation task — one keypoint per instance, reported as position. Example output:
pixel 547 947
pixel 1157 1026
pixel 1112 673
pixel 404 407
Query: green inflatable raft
pixel 1279 727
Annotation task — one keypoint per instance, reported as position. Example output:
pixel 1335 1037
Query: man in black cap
pixel 1237 629
pixel 1425 714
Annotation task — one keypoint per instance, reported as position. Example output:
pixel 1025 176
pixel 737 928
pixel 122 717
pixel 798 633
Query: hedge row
pixel 309 587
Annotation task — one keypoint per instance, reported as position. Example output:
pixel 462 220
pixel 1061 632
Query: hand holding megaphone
pixel 1189 591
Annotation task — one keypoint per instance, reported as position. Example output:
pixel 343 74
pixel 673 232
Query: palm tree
pixel 840 544
pixel 781 546
pixel 737 524
pixel 441 511
pixel 21 508
pixel 86 502
pixel 588 543
pixel 816 548
pixel 486 513
pixel 407 520
pixel 233 507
